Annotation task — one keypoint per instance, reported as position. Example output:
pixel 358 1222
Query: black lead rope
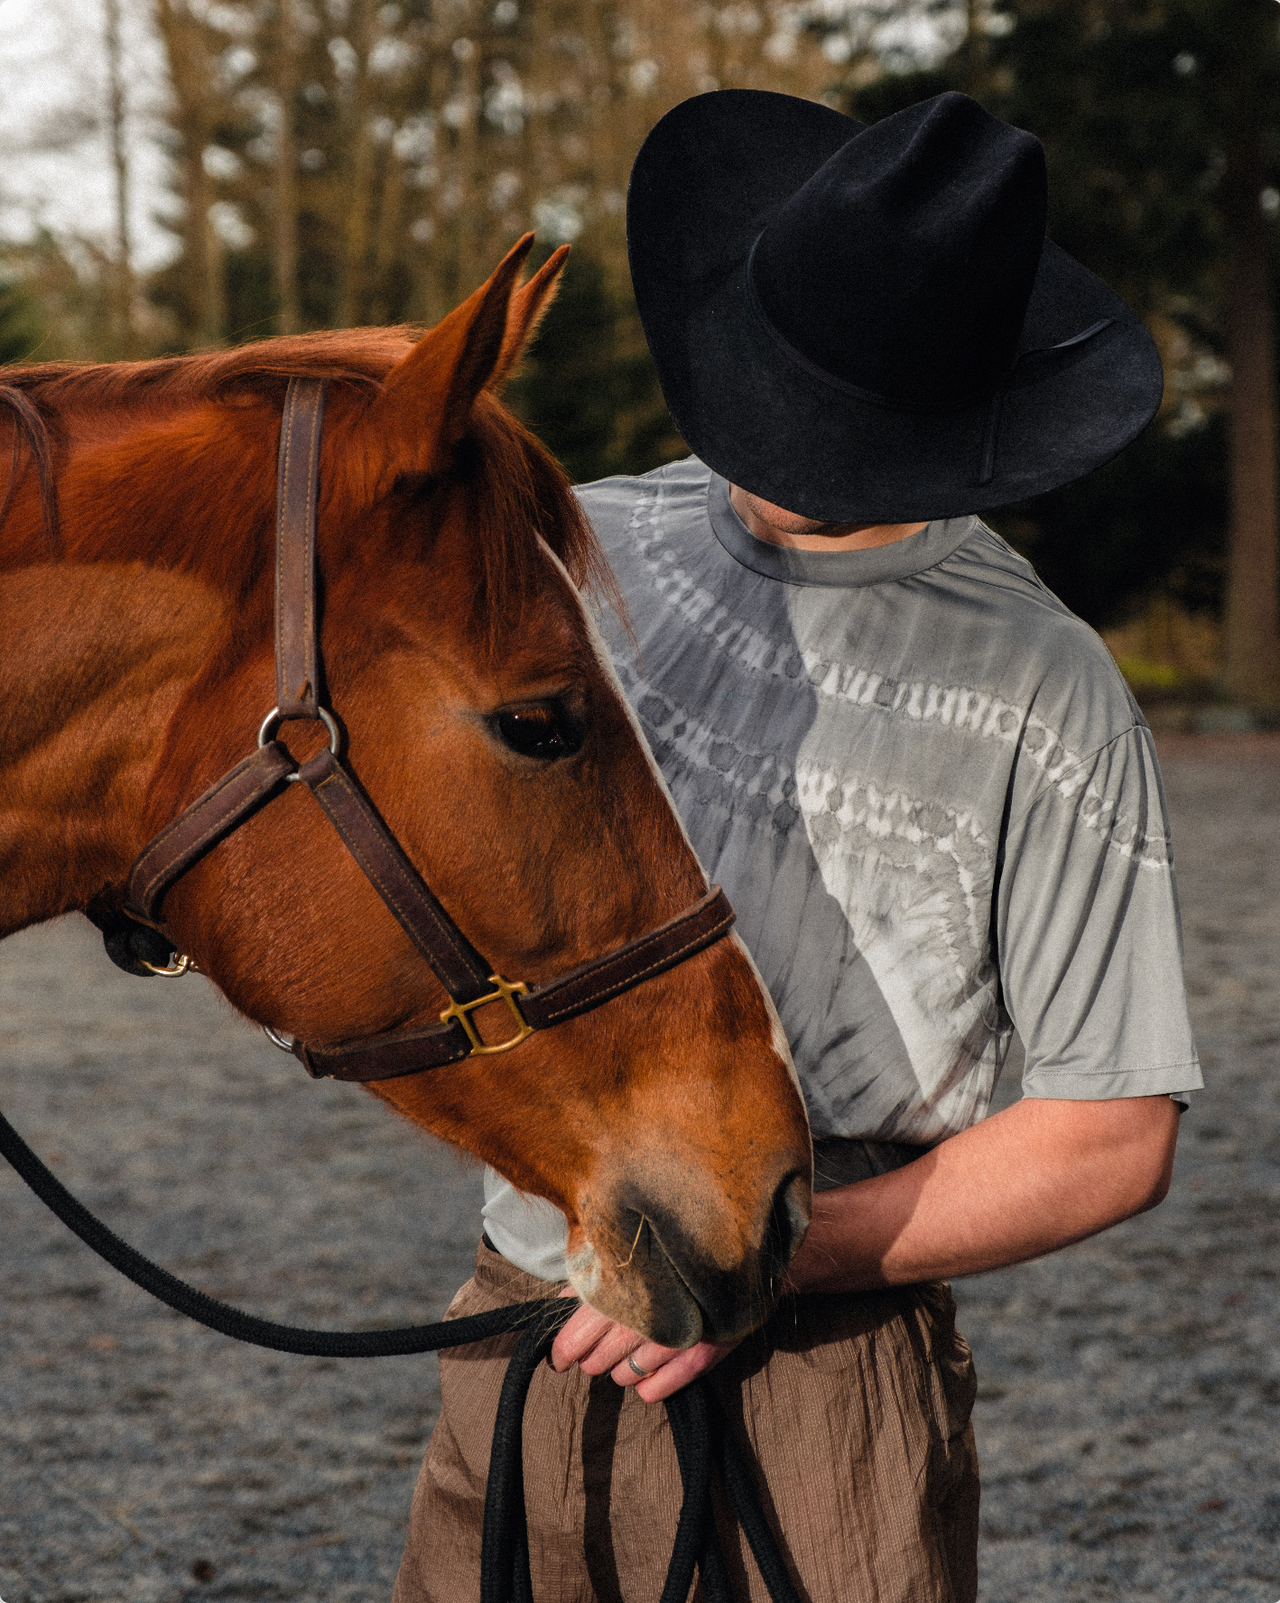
pixel 701 1437
pixel 221 1316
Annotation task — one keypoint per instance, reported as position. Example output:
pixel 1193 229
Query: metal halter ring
pixel 178 965
pixel 274 718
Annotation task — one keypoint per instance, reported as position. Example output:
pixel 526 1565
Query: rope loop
pixel 703 1441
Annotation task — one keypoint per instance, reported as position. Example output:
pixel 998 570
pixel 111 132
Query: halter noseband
pixel 469 980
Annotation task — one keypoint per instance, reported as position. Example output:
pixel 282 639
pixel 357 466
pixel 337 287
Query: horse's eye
pixel 545 731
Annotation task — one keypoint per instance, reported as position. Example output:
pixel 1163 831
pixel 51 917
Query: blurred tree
pixel 588 388
pixel 364 162
pixel 56 300
pixel 1150 522
pixel 20 321
pixel 193 290
pixel 124 342
pixel 288 52
pixel 1161 126
pixel 379 158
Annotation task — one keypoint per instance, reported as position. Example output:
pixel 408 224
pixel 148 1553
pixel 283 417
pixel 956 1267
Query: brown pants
pixel 856 1409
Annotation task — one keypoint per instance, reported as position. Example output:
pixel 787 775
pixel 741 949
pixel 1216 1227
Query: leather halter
pixel 470 981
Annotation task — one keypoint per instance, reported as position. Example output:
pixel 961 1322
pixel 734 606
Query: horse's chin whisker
pixel 625 1263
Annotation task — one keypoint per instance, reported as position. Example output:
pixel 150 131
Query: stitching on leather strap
pixel 443 1045
pixel 604 994
pixel 398 890
pixel 638 948
pixel 268 757
pixel 309 523
pixel 282 498
pixel 431 1041
pixel 385 889
pixel 297 649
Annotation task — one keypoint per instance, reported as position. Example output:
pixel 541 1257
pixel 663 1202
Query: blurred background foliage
pixel 1161 126
pixel 335 162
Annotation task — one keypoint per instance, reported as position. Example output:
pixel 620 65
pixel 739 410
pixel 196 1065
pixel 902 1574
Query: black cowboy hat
pixel 867 324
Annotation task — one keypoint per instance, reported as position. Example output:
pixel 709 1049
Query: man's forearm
pixel 1035 1177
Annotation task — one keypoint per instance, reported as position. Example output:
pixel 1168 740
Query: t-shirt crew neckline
pixel 841 569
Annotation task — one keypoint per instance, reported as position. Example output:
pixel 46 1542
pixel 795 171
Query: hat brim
pixel 708 179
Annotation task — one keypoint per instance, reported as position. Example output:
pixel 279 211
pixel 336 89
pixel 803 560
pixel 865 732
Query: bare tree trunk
pixel 976 57
pixel 286 186
pixel 190 76
pixel 468 183
pixel 1251 671
pixel 387 239
pixel 351 287
pixel 122 330
pixel 427 301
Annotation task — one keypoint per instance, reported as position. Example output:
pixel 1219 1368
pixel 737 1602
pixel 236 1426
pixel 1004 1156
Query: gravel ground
pixel 1129 1404
pixel 148 1459
pixel 1129 1413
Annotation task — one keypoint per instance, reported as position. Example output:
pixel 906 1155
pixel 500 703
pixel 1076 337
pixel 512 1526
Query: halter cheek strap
pixel 297 490
pixel 471 982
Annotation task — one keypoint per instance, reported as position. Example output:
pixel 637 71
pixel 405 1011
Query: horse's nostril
pixel 788 1220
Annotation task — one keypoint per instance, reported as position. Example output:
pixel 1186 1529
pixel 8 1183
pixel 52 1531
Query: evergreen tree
pixel 588 389
pixel 19 322
pixel 1161 126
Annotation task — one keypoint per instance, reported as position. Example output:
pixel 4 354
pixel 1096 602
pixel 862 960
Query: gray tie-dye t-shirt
pixel 930 798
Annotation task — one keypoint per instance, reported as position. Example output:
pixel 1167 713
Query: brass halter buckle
pixel 507 992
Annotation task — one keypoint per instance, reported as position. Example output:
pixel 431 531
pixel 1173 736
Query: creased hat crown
pixel 905 264
pixel 868 325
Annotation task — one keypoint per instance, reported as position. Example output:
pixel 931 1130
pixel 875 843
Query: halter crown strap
pixel 238 794
pixel 298 483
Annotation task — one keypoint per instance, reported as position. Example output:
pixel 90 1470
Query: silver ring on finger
pixel 635 1368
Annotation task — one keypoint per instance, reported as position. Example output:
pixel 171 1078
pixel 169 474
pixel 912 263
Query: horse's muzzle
pixel 680 1277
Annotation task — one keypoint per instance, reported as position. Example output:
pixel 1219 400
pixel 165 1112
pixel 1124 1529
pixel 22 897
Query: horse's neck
pixel 93 661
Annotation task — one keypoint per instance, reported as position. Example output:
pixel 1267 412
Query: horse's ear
pixel 528 307
pixel 426 399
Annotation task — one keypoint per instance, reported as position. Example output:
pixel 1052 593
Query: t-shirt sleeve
pixel 1088 932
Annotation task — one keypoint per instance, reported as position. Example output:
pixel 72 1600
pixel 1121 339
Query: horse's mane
pixel 359 356
pixel 519 491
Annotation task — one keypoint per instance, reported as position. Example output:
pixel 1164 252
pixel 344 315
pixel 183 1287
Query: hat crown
pixel 904 265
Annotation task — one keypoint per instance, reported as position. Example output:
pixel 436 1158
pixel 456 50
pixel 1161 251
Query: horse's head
pixel 482 717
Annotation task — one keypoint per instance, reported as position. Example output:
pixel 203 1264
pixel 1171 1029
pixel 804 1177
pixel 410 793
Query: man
pixel 928 795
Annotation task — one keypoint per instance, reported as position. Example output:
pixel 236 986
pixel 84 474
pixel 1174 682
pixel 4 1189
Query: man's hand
pixel 598 1346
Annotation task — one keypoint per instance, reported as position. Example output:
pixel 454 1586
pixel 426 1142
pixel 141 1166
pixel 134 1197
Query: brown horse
pixel 483 719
